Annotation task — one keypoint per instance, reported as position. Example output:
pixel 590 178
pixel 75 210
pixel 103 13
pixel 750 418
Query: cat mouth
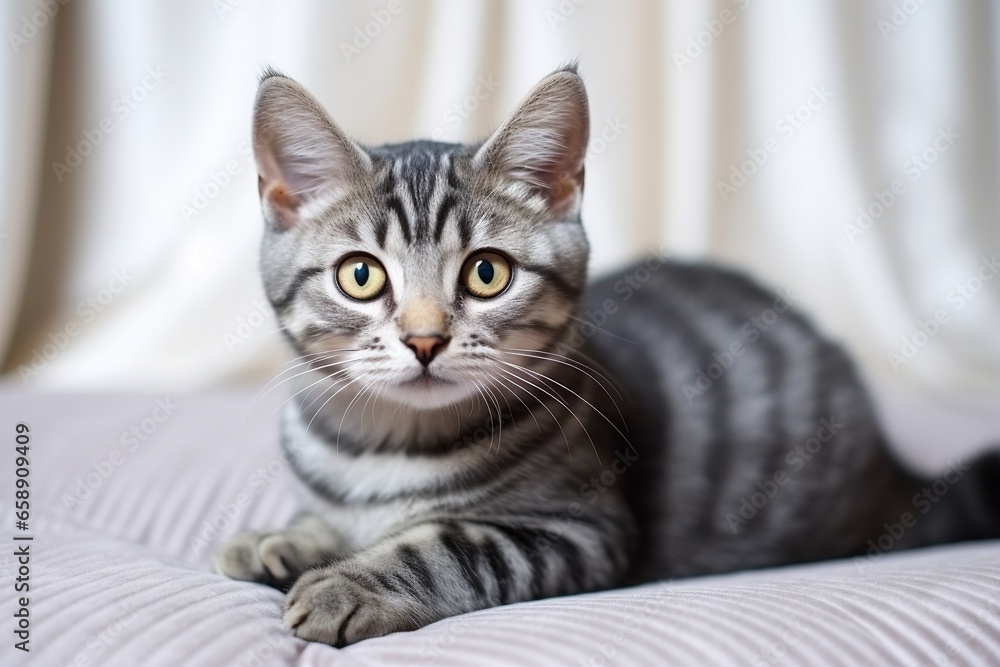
pixel 425 380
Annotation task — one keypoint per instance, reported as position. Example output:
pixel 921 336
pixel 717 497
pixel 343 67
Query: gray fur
pixel 511 467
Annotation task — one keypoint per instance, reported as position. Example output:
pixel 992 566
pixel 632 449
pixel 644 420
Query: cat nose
pixel 426 347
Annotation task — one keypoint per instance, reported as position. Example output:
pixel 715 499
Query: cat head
pixel 415 269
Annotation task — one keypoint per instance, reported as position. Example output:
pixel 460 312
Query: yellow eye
pixel 486 274
pixel 361 277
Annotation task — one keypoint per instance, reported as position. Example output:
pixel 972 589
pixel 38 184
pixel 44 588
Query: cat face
pixel 414 271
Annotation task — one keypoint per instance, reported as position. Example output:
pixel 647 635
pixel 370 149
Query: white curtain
pixel 848 152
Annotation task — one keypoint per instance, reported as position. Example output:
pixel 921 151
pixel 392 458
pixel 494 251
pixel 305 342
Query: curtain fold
pixel 28 29
pixel 848 152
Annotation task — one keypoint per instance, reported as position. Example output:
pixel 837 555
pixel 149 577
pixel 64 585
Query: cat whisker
pixel 510 411
pixel 514 381
pixel 560 359
pixel 314 357
pixel 350 405
pixel 603 331
pixel 315 369
pixel 500 386
pixel 591 405
pixel 489 411
pixel 499 413
pixel 380 386
pixel 328 376
pixel 562 402
pixel 601 378
pixel 334 395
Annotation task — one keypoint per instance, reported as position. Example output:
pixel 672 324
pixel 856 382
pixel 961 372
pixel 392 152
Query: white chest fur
pixel 374 492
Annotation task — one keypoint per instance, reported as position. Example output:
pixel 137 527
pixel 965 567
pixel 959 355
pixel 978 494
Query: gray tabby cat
pixel 455 445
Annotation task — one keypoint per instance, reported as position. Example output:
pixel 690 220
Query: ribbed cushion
pixel 120 579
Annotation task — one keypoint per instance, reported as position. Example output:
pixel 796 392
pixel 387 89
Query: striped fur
pixel 502 471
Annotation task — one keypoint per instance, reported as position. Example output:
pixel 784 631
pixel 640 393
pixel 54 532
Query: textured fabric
pixel 121 575
pixel 665 132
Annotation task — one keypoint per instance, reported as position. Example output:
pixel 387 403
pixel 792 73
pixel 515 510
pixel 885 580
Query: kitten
pixel 456 447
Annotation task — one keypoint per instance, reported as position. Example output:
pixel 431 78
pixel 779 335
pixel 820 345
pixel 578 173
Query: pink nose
pixel 425 347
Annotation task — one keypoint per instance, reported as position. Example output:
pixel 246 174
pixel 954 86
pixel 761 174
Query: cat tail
pixel 960 503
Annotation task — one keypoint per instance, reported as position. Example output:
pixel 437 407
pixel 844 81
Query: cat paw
pixel 331 607
pixel 275 559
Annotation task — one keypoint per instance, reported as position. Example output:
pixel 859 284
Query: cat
pixel 462 439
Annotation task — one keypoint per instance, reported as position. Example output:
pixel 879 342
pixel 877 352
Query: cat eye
pixel 361 277
pixel 486 274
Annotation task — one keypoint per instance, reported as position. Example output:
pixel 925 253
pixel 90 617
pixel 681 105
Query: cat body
pixel 458 444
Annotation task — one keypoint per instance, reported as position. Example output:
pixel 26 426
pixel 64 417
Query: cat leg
pixel 438 569
pixel 278 558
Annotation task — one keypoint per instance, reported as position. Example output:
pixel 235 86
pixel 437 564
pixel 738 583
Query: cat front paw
pixel 278 558
pixel 275 559
pixel 337 607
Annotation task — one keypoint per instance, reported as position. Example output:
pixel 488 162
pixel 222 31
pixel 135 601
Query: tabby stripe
pixel 498 564
pixel 554 279
pixel 452 178
pixel 365 580
pixel 775 459
pixel 442 216
pixel 421 223
pixel 314 332
pixel 300 279
pixel 417 566
pixel 404 223
pixel 465 230
pixel 381 231
pixel 465 554
pixel 717 459
pixel 293 341
pixel 389 583
pixel 573 558
pixel 523 539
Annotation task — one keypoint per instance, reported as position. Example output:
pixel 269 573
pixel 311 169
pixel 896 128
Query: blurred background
pixel 847 152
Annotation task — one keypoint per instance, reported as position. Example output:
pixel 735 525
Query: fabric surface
pixel 812 109
pixel 132 494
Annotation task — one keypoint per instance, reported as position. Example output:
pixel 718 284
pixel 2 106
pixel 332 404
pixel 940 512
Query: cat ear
pixel 544 142
pixel 302 156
